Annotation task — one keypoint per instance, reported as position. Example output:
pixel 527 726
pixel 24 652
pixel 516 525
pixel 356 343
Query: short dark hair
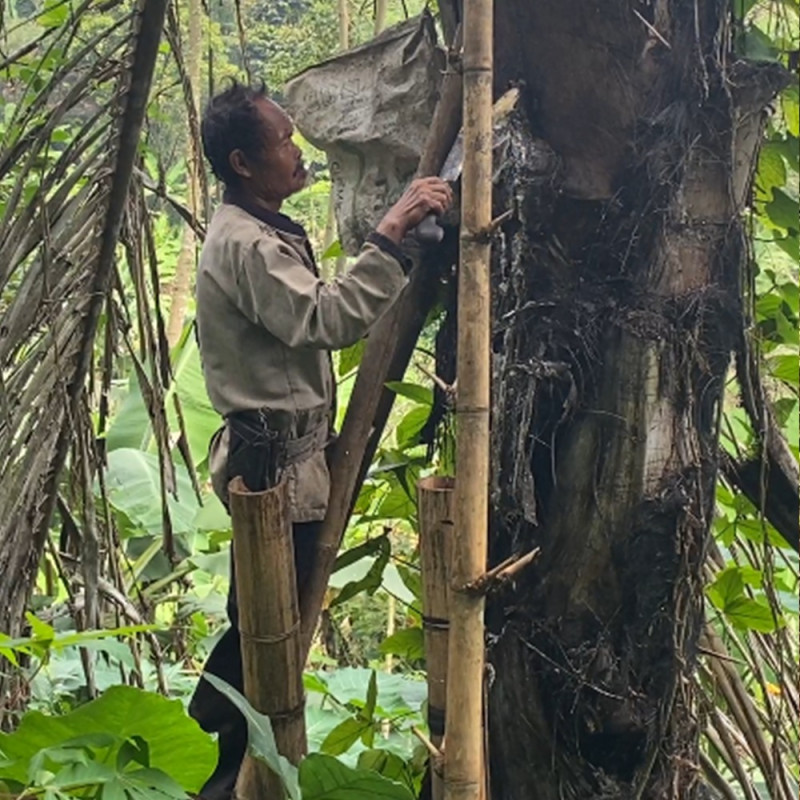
pixel 231 122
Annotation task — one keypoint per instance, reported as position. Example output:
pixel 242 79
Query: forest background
pixel 129 594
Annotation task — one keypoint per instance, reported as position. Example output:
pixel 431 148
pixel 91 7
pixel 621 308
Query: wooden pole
pixel 269 622
pixel 464 771
pixel 435 544
pixel 386 356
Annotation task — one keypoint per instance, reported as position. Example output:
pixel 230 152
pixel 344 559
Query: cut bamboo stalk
pixel 464 762
pixel 435 496
pixel 269 622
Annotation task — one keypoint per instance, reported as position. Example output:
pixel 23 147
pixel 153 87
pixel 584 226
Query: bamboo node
pixel 291 713
pixel 274 638
pixel 503 573
pixel 435 623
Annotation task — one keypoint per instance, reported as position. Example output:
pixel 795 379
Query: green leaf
pixel 344 736
pixel 751 614
pixel 408 643
pixel 388 764
pixel 354 554
pixel 371 582
pixel 350 357
pixel 177 745
pixel 791 109
pixel 134 488
pixel 200 417
pixel 771 169
pixel 783 210
pixel 134 750
pixel 785 367
pixel 372 697
pixel 151 784
pixel 261 740
pixel 130 426
pixel 409 428
pixel 324 778
pixel 334 250
pixel 728 587
pixel 413 391
pixel 54 15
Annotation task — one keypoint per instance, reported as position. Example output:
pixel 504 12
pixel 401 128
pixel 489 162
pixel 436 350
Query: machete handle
pixel 428 231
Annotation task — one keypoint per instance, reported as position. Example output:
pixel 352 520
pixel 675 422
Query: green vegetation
pixel 130 581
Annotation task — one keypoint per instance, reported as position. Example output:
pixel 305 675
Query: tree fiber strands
pixel 269 621
pixel 435 544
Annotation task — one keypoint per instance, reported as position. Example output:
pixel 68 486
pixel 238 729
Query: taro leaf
pixel 324 778
pixel 407 643
pixel 177 745
pixel 261 740
pixel 396 693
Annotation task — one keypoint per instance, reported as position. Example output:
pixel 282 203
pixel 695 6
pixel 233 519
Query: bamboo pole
pixel 435 545
pixel 464 771
pixel 269 622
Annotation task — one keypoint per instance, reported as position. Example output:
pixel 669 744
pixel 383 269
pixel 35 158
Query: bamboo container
pixel 435 544
pixel 269 622
pixel 464 762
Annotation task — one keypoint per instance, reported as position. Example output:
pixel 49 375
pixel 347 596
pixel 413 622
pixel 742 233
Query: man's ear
pixel 239 165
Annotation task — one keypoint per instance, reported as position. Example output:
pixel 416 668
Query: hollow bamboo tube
pixel 464 770
pixel 435 496
pixel 269 622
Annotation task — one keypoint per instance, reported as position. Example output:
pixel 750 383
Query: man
pixel 266 325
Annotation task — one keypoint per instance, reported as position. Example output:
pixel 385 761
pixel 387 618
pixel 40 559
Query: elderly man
pixel 266 324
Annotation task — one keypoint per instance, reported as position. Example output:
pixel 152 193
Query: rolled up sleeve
pixel 276 290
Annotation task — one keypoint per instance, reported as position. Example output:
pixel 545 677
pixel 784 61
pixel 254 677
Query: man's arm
pixel 276 290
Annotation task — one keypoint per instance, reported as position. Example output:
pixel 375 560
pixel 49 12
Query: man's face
pixel 279 172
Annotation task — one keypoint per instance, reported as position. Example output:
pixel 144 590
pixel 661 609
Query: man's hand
pixel 424 196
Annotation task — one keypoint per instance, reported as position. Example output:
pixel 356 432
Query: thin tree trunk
pixel 381 9
pixel 181 288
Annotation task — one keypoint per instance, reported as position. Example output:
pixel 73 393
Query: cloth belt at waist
pixel 255 428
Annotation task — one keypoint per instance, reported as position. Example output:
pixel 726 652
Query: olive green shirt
pixel 266 323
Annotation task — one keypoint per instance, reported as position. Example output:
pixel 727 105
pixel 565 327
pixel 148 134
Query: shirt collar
pixel 272 218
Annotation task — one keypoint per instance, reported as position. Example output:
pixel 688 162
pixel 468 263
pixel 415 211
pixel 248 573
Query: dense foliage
pixel 99 677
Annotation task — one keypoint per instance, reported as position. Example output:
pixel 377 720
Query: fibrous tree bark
pixel 617 305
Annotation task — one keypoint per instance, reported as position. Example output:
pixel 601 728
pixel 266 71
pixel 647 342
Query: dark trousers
pixel 214 712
